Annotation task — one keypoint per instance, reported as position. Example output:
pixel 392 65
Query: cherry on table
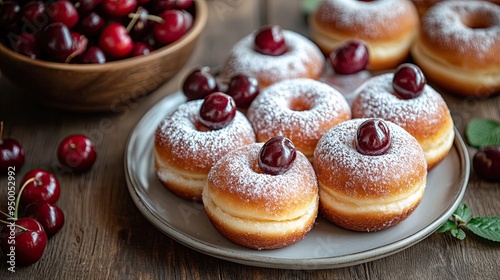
pixel 93 55
pixel 44 186
pixel 217 111
pixel 277 155
pixel 11 153
pixel 486 163
pixel 176 24
pixel 408 81
pixel 270 40
pixel 199 83
pixel 243 89
pixel 48 215
pixel 63 11
pixel 77 152
pixel 115 41
pixel 373 137
pixel 350 57
pixel 30 240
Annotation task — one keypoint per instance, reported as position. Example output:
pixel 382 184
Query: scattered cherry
pixel 408 81
pixel 48 215
pixel 30 241
pixel 373 137
pixel 486 163
pixel 41 185
pixel 77 152
pixel 199 83
pixel 64 12
pixel 93 55
pixel 270 40
pixel 115 41
pixel 277 155
pixel 217 111
pixel 11 153
pixel 350 57
pixel 176 24
pixel 243 89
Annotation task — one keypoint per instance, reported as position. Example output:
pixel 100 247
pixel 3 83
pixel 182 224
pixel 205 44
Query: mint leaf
pixel 486 227
pixel 462 214
pixel 483 132
pixel 448 226
pixel 458 233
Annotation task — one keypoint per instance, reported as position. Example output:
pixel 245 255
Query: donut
pixel 184 153
pixel 458 47
pixel 423 5
pixel 258 210
pixel 303 59
pixel 300 109
pixel 388 27
pixel 426 117
pixel 364 192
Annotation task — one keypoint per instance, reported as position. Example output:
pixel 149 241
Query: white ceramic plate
pixel 326 246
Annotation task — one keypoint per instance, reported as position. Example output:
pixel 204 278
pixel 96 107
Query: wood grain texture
pixel 105 235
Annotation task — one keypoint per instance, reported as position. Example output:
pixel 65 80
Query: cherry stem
pixel 1 122
pixel 6 215
pixel 135 17
pixel 19 195
pixel 16 225
pixel 154 18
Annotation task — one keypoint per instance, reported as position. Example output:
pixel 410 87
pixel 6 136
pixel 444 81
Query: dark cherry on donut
pixel 350 57
pixel 199 83
pixel 277 155
pixel 270 40
pixel 217 111
pixel 408 81
pixel 373 137
pixel 243 89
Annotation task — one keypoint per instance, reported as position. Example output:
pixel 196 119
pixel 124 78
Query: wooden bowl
pixel 101 87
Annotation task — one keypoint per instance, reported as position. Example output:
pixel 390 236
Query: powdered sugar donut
pixel 299 109
pixel 459 47
pixel 184 154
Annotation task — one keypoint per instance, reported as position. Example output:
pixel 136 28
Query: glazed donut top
pixel 338 163
pixel 244 59
pixel 177 134
pixel 374 20
pixel 466 32
pixel 420 116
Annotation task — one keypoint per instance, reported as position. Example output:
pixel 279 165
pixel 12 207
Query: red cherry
pixel 141 48
pixel 217 111
pixel 91 24
pixel 27 45
pixel 77 152
pixel 486 163
pixel 270 40
pixel 79 45
pixel 11 153
pixel 93 55
pixel 176 24
pixel 119 8
pixel 183 4
pixel 43 186
pixel 350 57
pixel 57 42
pixel 34 12
pixel 30 241
pixel 199 83
pixel 63 11
pixel 115 41
pixel 373 137
pixel 277 155
pixel 49 216
pixel 86 6
pixel 243 89
pixel 160 6
pixel 9 14
pixel 408 81
pixel 142 26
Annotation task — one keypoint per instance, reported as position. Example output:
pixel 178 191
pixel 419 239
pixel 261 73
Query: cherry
pixel 217 111
pixel 277 155
pixel 486 163
pixel 115 41
pixel 270 40
pixel 350 57
pixel 11 153
pixel 142 25
pixel 93 55
pixel 119 8
pixel 76 152
pixel 33 12
pixel 49 216
pixel 176 24
pixel 79 45
pixel 91 24
pixel 29 238
pixel 85 6
pixel 373 137
pixel 408 81
pixel 183 4
pixel 57 42
pixel 199 83
pixel 9 14
pixel 243 89
pixel 41 185
pixel 27 45
pixel 160 6
pixel 63 11
pixel 141 48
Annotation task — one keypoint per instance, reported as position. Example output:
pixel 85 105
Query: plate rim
pixel 292 263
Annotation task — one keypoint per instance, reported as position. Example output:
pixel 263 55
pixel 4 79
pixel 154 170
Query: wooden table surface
pixel 106 237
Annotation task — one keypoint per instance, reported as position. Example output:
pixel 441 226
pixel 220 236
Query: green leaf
pixel 486 227
pixel 462 214
pixel 458 233
pixel 448 226
pixel 483 132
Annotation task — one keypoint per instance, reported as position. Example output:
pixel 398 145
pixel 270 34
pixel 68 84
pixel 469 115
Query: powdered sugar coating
pixel 294 63
pixel 271 113
pixel 336 158
pixel 445 25
pixel 178 133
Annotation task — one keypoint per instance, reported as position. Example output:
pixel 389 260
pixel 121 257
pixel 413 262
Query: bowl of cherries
pixel 91 55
